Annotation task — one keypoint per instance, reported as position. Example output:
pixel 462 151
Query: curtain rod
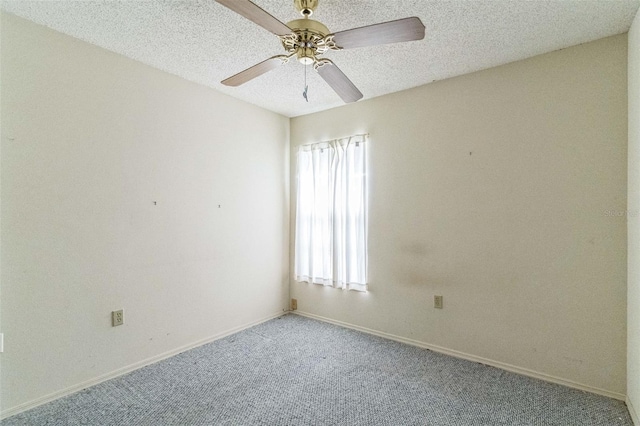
pixel 335 139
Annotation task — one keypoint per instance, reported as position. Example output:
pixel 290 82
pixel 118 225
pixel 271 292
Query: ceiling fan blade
pixel 254 13
pixel 256 70
pixel 407 29
pixel 339 82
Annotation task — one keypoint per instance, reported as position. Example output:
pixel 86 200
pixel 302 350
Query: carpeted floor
pixel 297 371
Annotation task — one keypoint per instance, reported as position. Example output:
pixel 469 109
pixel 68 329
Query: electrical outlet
pixel 117 318
pixel 437 302
pixel 294 304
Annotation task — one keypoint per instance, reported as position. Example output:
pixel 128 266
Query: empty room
pixel 320 212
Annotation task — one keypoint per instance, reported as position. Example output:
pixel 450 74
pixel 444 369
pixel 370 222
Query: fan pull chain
pixel 306 88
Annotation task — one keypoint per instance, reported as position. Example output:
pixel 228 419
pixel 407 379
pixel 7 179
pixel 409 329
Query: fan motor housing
pixel 306 25
pixel 309 34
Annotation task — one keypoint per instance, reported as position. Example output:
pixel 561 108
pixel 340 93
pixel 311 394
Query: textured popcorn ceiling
pixel 203 41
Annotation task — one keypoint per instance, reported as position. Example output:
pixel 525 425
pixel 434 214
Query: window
pixel 331 213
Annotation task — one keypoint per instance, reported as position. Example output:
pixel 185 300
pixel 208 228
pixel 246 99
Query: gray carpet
pixel 297 371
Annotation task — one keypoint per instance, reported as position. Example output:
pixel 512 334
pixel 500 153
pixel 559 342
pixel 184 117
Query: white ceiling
pixel 202 41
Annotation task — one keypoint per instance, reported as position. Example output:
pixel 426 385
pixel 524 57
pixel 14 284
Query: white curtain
pixel 331 213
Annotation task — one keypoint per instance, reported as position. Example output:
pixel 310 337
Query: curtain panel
pixel 331 213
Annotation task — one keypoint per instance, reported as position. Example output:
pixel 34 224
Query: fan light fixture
pixel 306 39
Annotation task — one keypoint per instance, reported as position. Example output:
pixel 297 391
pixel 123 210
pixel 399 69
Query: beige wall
pixel 90 140
pixel 633 291
pixel 492 189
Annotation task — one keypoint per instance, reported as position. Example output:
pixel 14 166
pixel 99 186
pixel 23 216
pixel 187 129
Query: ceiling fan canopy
pixel 306 7
pixel 307 39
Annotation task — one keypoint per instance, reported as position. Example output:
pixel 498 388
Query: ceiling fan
pixel 308 39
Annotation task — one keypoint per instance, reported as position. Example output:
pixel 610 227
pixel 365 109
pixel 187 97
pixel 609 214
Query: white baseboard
pixel 124 370
pixel 468 357
pixel 632 412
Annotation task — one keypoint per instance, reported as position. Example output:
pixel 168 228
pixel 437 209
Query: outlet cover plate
pixel 437 302
pixel 117 318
